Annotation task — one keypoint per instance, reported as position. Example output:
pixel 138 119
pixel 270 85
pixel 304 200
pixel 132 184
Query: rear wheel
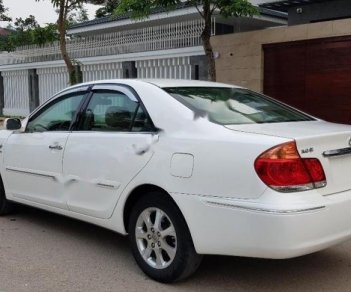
pixel 160 239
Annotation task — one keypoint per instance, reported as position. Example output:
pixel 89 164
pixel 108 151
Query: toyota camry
pixel 184 168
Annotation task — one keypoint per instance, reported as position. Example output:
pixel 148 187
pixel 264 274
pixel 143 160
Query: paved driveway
pixel 40 251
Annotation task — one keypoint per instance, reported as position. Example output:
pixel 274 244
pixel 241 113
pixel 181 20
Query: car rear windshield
pixel 228 106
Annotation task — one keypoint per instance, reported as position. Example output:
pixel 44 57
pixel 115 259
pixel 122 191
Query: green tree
pixel 28 23
pixel 206 8
pixel 108 9
pixel 28 32
pixel 78 16
pixel 4 45
pixel 3 10
pixel 22 36
pixel 64 9
pixel 43 35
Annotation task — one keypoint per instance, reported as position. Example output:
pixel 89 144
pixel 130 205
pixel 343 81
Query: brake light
pixel 283 169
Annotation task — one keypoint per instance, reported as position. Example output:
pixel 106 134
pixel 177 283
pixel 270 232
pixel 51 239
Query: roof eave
pixel 284 5
pixel 128 21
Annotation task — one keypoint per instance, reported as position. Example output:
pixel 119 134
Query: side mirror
pixel 12 124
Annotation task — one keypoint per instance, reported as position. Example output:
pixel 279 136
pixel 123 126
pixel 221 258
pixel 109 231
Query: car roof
pixel 185 83
pixel 162 83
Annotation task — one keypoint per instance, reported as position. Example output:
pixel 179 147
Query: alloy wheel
pixel 156 238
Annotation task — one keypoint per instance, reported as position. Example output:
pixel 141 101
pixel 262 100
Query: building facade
pixel 165 45
pixel 311 11
pixel 306 65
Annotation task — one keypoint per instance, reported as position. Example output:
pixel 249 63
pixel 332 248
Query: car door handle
pixel 55 147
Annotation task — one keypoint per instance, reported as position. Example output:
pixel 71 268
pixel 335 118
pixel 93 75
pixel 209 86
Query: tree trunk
pixel 206 42
pixel 61 24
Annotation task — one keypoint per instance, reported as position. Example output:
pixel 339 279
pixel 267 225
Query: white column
pixel 16 92
pixel 102 71
pixel 51 81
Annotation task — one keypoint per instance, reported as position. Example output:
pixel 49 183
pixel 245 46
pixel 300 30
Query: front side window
pixel 113 111
pixel 226 105
pixel 56 116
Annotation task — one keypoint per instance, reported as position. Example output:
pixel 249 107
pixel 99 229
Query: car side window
pixel 113 111
pixel 57 115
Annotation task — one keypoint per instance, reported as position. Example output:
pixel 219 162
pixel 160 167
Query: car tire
pixel 6 207
pixel 164 249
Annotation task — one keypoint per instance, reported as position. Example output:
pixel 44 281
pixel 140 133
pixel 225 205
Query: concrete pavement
pixel 40 251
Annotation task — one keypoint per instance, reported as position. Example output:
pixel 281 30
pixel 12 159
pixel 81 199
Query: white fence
pixel 167 48
pixel 102 71
pixel 162 37
pixel 53 79
pixel 16 92
pixel 174 68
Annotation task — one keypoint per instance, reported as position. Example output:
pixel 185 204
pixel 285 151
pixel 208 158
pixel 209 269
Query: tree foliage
pixel 27 31
pixel 207 8
pixel 26 24
pixel 64 9
pixel 78 16
pixel 43 35
pixel 108 9
pixel 3 10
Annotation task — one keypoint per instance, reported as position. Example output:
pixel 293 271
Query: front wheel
pixel 160 239
pixel 6 207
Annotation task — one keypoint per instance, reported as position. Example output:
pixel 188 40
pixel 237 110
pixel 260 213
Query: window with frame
pixel 113 111
pixel 57 115
pixel 235 106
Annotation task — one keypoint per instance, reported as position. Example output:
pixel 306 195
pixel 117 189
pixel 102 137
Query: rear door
pixel 103 155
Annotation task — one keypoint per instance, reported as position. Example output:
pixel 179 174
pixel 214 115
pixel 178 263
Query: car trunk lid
pixel 316 139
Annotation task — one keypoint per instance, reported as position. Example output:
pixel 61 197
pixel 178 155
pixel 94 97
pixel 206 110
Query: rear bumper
pixel 219 226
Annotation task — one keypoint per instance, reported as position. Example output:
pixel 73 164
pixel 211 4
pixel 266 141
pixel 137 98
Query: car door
pixel 108 150
pixel 33 158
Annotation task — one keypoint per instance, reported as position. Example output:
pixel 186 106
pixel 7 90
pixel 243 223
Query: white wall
pixel 54 78
pixel 257 2
pixel 51 81
pixel 174 68
pixel 16 92
pixel 102 71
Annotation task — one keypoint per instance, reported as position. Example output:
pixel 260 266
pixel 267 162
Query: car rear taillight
pixel 282 169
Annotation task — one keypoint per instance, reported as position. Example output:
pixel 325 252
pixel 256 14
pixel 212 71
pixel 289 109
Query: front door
pixel 33 159
pixel 110 147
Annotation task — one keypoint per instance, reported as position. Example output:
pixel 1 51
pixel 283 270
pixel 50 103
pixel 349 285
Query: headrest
pixel 118 117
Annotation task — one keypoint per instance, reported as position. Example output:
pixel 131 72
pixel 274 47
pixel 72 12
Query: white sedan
pixel 185 168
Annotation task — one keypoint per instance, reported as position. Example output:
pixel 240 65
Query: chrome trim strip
pixel 270 211
pixel 337 152
pixel 337 193
pixel 115 87
pixel 30 173
pixel 106 185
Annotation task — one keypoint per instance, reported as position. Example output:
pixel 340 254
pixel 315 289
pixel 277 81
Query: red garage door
pixel 314 76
